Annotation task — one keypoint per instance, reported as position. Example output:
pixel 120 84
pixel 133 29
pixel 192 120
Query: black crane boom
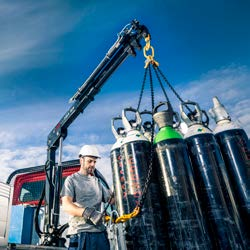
pixel 127 43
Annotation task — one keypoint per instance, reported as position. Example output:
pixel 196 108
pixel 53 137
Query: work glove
pixel 90 213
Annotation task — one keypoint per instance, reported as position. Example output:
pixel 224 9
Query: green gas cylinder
pixel 183 219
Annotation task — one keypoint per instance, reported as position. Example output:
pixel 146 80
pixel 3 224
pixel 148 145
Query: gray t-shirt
pixel 86 191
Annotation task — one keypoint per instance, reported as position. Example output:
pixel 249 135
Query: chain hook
pixel 149 58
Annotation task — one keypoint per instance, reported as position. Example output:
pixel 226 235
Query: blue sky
pixel 49 48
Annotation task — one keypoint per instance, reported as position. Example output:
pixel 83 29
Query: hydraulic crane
pixel 127 43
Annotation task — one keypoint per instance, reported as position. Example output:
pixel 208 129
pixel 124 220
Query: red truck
pixel 19 200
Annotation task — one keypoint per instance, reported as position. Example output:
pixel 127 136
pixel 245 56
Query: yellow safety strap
pixel 149 58
pixel 125 217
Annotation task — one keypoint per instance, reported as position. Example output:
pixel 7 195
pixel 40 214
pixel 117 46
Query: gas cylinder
pixel 207 162
pixel 117 169
pixel 146 229
pixel 183 218
pixel 233 141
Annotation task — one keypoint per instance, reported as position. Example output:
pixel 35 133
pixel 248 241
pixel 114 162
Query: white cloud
pixel 13 159
pixel 229 83
pixel 28 124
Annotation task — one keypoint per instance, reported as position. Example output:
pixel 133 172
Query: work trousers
pixel 89 241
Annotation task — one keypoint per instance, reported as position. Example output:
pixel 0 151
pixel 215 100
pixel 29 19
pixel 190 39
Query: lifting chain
pixel 148 179
pixel 142 88
pixel 149 61
pixel 137 209
pixel 171 87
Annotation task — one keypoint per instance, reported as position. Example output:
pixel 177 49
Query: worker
pixel 82 196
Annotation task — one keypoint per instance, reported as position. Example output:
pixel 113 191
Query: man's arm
pixel 88 213
pixel 69 207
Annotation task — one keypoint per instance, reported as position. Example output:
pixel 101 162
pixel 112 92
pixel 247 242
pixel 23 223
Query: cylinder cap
pixel 218 112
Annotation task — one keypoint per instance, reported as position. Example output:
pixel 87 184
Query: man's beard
pixel 90 171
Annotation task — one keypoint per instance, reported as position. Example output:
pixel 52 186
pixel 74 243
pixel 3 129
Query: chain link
pixel 149 58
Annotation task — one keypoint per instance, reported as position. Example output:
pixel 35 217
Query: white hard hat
pixel 89 150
